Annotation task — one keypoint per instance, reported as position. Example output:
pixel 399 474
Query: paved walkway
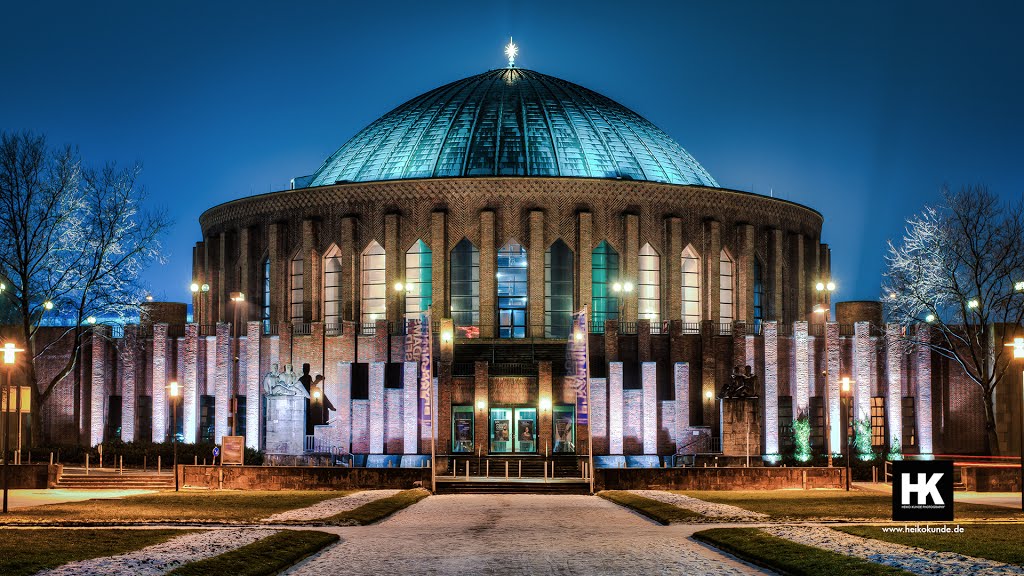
pixel 27 498
pixel 1004 499
pixel 520 534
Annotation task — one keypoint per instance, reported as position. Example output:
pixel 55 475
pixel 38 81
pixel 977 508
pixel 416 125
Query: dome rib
pixel 511 122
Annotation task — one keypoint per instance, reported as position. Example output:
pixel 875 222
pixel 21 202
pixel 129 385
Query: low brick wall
pixel 986 479
pixel 302 477
pixel 32 476
pixel 759 478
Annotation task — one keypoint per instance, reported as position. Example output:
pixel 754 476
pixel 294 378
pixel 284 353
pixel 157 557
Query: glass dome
pixel 510 122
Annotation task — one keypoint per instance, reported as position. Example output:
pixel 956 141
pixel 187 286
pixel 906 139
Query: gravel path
pixel 164 557
pixel 329 508
pixel 709 509
pixel 915 560
pixel 519 534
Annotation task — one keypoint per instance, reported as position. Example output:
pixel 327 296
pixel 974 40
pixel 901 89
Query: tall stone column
pixel 488 269
pixel 800 341
pixel 833 362
pixel 312 278
pixel 439 252
pixel 629 264
pixel 771 387
pixel 480 398
pixel 674 280
pixel 862 370
pixel 253 397
pixel 344 417
pixel 584 259
pixel 278 311
pixel 923 404
pixel 394 264
pixel 98 396
pixel 535 270
pixel 894 384
pixel 221 388
pixel 377 407
pixel 777 311
pixel 713 270
pixel 246 281
pixel 544 422
pixel 744 297
pixel 410 408
pixel 615 408
pixel 648 377
pixel 682 382
pixel 189 380
pixel 129 394
pixel 799 273
pixel 349 264
pixel 160 412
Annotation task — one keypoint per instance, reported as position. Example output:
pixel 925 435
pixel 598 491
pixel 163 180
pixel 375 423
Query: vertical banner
pixel 422 349
pixel 576 365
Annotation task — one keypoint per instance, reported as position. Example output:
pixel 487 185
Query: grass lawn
pixel 655 510
pixel 264 557
pixel 803 504
pixel 25 552
pixel 377 510
pixel 999 542
pixel 788 557
pixel 198 506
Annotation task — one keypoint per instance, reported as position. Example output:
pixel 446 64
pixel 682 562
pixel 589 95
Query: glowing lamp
pixel 617 287
pixel 90 320
pixel 972 303
pixel 830 286
pixel 399 287
pixel 446 336
pixel 578 335
pixel 545 404
pixel 819 286
pixel 237 297
pixel 628 286
pixel 1019 287
pixel 194 287
pixel 316 394
pixel 173 386
pixel 48 305
pixel 205 287
pixel 845 383
pixel 929 318
pixel 10 351
pixel 1017 345
pixel 480 405
pixel 708 395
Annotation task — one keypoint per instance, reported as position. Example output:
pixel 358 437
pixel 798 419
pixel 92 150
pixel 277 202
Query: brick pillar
pixel 160 413
pixel 648 380
pixel 246 283
pixel 394 264
pixel 629 265
pixel 98 391
pixel 444 407
pixel 771 387
pixel 221 388
pixel 643 340
pixel 713 270
pixel 223 286
pixel 611 340
pixel 312 279
pixel 190 384
pixel 285 341
pixel 674 270
pixel 615 408
pixel 798 272
pixel 544 391
pixel 584 258
pixel 744 297
pixel 380 340
pixel 739 337
pixel 535 270
pixel 923 402
pixel 198 277
pixel 253 397
pixel 894 383
pixel 350 265
pixel 410 408
pixel 681 375
pixel 481 380
pixel 343 423
pixel 488 269
pixel 599 414
pixel 800 342
pixel 377 407
pixel 862 350
pixel 776 311
pixel 833 363
pixel 129 394
pixel 439 248
pixel 278 271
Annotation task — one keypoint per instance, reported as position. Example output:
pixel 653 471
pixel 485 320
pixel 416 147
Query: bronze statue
pixel 742 384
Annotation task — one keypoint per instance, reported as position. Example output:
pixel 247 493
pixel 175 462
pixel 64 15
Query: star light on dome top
pixel 511 50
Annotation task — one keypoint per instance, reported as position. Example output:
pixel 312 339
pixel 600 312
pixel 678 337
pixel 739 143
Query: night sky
pixel 861 110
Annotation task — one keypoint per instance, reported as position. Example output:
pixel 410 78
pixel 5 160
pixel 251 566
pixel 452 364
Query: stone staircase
pixel 106 479
pixel 525 475
pixel 511 486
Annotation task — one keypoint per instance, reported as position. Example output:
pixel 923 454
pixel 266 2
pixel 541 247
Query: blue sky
pixel 862 110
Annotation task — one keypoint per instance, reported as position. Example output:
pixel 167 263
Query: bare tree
pixel 960 268
pixel 79 241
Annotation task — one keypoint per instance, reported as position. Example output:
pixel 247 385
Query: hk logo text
pixel 922 490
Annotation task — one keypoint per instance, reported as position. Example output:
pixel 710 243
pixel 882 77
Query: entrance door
pixel 501 430
pixel 462 429
pixel 563 420
pixel 526 430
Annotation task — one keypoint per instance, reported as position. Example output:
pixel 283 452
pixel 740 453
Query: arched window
pixel 296 289
pixel 726 311
pixel 604 272
pixel 332 286
pixel 419 263
pixel 558 290
pixel 465 289
pixel 374 292
pixel 758 292
pixel 512 290
pixel 691 286
pixel 265 296
pixel 648 285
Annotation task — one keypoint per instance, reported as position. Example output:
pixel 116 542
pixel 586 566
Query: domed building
pixel 434 269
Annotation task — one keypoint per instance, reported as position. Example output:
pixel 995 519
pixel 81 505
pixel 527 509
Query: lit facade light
pixel 819 309
pixel 627 286
pixel 617 287
pixel 10 352
pixel 1017 345
pixel 237 297
pixel 830 286
pixel 316 393
pixel 205 287
pixel 194 287
pixel 845 384
pixel 3 286
pixel 149 297
pixel 446 336
pixel 173 388
pixel 399 287
pixel 545 404
pixel 578 335
pixel 48 305
pixel 708 395
pixel 481 405
pixel 972 303
pixel 819 286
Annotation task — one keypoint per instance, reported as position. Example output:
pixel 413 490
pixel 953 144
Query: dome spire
pixel 511 50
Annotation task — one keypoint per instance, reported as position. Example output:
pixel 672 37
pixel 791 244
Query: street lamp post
pixel 621 289
pixel 845 395
pixel 173 391
pixel 824 290
pixel 9 354
pixel 1018 352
